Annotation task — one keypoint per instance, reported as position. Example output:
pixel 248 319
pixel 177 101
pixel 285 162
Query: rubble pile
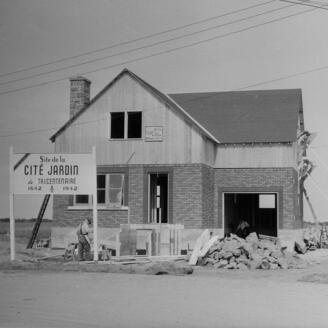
pixel 250 253
pixel 312 239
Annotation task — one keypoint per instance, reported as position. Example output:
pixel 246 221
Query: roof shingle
pixel 245 116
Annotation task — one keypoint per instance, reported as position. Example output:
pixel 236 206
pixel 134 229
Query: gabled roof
pixel 246 116
pixel 228 117
pixel 161 96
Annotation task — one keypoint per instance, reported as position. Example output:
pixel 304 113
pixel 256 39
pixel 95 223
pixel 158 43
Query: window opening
pixel 110 191
pixel 134 125
pixel 116 189
pixel 101 188
pixel 117 125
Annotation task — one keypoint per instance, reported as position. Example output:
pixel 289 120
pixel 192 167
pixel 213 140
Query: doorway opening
pixel 259 210
pixel 158 197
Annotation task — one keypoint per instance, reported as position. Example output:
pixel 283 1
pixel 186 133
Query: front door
pixel 158 197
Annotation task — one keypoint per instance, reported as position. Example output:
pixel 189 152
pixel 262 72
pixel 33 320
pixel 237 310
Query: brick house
pixel 203 160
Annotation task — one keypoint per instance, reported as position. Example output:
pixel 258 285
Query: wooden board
pixel 201 241
pixel 208 245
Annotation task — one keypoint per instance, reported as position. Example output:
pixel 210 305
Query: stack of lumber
pixel 251 253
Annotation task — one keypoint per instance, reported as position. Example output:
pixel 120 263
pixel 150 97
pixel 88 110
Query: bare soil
pixel 56 294
pixel 204 299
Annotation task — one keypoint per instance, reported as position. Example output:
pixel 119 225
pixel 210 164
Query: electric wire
pixel 285 77
pixel 306 4
pixel 319 159
pixel 264 82
pixel 144 46
pixel 164 51
pixel 315 183
pixel 136 40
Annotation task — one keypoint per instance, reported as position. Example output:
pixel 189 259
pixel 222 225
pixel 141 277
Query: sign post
pixel 64 174
pixel 94 209
pixel 11 206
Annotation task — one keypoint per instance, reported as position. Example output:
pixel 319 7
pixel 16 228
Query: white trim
pixel 168 199
pixel 250 192
pixel 99 207
pixel 125 125
pixel 148 199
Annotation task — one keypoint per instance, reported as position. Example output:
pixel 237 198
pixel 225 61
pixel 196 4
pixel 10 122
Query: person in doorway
pixel 243 229
pixel 84 244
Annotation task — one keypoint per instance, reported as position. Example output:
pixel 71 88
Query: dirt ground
pixel 204 299
pixel 46 297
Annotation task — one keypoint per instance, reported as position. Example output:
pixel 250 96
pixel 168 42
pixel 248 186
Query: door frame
pixel 160 170
pixel 254 190
pixel 149 197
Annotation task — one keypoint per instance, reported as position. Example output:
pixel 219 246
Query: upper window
pixel 126 125
pixel 134 125
pixel 117 126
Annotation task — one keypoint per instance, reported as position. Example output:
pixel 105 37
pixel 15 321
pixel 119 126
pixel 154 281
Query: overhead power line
pixel 306 4
pixel 27 132
pixel 164 51
pixel 145 37
pixel 260 83
pixel 145 46
pixel 286 77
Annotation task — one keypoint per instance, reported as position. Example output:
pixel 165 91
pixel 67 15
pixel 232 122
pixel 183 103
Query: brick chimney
pixel 79 94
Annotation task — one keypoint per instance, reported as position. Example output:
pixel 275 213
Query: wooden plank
pixel 208 245
pixel 282 155
pixel 128 241
pixel 200 242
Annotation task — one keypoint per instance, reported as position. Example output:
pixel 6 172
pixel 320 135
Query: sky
pixel 271 45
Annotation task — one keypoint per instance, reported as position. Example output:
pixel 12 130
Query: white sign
pixel 53 174
pixel 154 133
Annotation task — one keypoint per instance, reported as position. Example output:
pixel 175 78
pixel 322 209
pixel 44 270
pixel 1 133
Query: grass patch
pixel 23 230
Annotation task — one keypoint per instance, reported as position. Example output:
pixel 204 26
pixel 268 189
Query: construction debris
pixel 312 238
pixel 234 252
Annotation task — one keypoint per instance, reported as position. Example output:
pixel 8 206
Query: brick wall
pixel 79 94
pixel 191 197
pixel 208 196
pixel 280 180
pixel 136 191
pixel 195 195
pixel 187 200
pixel 64 217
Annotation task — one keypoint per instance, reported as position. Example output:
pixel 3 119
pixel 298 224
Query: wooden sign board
pixel 154 133
pixel 37 174
pixel 69 174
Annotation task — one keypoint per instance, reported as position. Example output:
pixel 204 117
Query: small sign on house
pixel 154 133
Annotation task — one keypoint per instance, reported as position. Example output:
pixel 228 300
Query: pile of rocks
pixel 312 239
pixel 250 253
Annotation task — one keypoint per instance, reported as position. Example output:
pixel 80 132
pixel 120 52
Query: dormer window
pixel 126 125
